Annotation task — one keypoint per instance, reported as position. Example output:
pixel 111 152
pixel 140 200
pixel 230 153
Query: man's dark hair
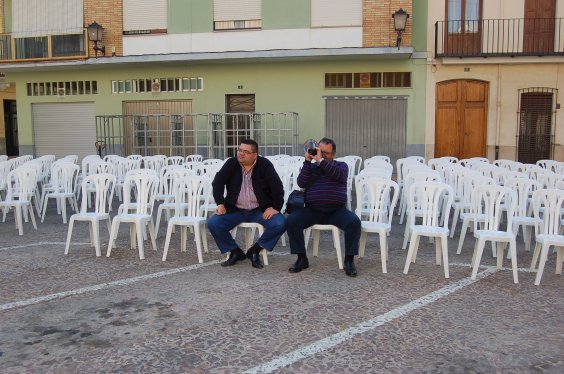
pixel 252 143
pixel 329 141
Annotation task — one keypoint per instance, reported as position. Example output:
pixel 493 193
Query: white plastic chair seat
pixel 21 185
pixel 336 240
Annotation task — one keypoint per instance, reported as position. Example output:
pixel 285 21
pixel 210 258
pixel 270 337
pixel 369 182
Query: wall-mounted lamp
pixel 95 32
pixel 400 20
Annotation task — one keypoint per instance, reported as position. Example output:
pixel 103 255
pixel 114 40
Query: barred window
pixel 368 80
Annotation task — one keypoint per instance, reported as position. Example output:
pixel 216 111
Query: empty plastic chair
pixel 548 205
pixel 21 184
pixel 103 190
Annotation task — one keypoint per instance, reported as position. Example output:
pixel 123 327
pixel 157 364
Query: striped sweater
pixel 325 184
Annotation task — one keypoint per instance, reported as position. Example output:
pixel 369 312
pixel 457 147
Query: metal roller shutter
pixel 367 125
pixel 62 129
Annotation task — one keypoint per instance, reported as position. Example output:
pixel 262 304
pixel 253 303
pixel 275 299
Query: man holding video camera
pixel 325 182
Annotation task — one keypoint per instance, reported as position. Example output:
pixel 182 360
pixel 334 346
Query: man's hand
pixel 220 210
pixel 317 156
pixel 269 212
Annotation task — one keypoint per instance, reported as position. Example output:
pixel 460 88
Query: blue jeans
pixel 220 225
pixel 343 218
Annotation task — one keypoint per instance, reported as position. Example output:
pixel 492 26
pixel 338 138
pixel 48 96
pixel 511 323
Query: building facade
pixel 328 67
pixel 494 73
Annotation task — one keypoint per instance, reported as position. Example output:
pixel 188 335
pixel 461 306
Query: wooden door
pixel 461 118
pixel 464 27
pixel 538 30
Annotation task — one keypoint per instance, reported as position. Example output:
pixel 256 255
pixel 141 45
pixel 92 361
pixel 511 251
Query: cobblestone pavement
pixel 79 313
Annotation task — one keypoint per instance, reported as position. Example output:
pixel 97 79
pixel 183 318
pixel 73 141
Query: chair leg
pixel 64 209
pixel 69 234
pixel 384 252
pixel 406 235
pixel 113 234
pixel 536 254
pixel 45 200
pixel 477 257
pixel 96 235
pixel 139 232
pixel 362 244
pixel 198 240
pixel 152 235
pixel 315 242
pixel 337 245
pixel 542 262
pixel 167 240
pixel 559 254
pixel 444 245
pixel 205 237
pixel 158 223
pixel 465 224
pixel 32 215
pixel 527 230
pixel 454 221
pixel 499 247
pixel 414 255
pixel 414 241
pixel 513 250
pixel 438 250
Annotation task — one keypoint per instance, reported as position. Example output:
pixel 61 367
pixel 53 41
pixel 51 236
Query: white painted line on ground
pixel 101 286
pixel 338 338
pixel 524 270
pixel 38 244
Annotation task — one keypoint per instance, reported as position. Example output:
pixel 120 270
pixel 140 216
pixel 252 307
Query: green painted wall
pixel 7 16
pixel 278 87
pixel 287 14
pixel 190 16
pixel 420 10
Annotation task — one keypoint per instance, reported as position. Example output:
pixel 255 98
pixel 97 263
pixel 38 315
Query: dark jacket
pixel 266 184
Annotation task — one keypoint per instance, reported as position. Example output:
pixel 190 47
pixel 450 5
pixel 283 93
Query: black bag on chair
pixel 296 201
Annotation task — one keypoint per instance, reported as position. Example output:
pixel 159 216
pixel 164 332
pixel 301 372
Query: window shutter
pixel 236 10
pixel 327 13
pixel 39 17
pixel 144 15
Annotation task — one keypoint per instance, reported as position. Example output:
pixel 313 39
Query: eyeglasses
pixel 326 153
pixel 244 151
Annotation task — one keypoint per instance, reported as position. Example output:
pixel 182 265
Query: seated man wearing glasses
pixel 254 194
pixel 325 182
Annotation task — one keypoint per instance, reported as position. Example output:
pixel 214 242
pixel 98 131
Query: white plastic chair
pixel 175 160
pixel 21 185
pixel 191 197
pixel 379 157
pixel 523 188
pixel 378 163
pixel 3 158
pixel 549 203
pixel 490 201
pixel 63 184
pixel 548 164
pixel 426 197
pixel 463 204
pixel 103 185
pixel 380 211
pixel 146 189
pixel 166 193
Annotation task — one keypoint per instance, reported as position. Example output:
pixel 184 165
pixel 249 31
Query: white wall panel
pixel 144 15
pixel 327 13
pixel 343 37
pixel 235 10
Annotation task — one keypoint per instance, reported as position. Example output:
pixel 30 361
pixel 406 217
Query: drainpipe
pixel 498 112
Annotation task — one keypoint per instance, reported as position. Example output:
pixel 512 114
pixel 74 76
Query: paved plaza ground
pixel 83 314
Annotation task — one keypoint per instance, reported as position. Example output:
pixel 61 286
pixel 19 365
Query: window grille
pixel 536 118
pixel 368 80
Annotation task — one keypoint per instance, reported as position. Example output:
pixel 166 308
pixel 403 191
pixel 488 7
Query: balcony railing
pixel 47 47
pixel 499 37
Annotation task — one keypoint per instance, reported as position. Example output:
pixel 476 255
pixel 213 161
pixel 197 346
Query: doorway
pixel 238 119
pixel 535 126
pixel 11 128
pixel 461 118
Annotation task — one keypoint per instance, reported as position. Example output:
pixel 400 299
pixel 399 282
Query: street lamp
pixel 95 33
pixel 400 20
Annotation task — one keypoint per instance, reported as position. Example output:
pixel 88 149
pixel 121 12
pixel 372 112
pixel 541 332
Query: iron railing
pixel 213 135
pixel 499 37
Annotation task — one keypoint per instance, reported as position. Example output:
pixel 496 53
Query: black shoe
pixel 234 256
pixel 255 259
pixel 301 264
pixel 350 269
